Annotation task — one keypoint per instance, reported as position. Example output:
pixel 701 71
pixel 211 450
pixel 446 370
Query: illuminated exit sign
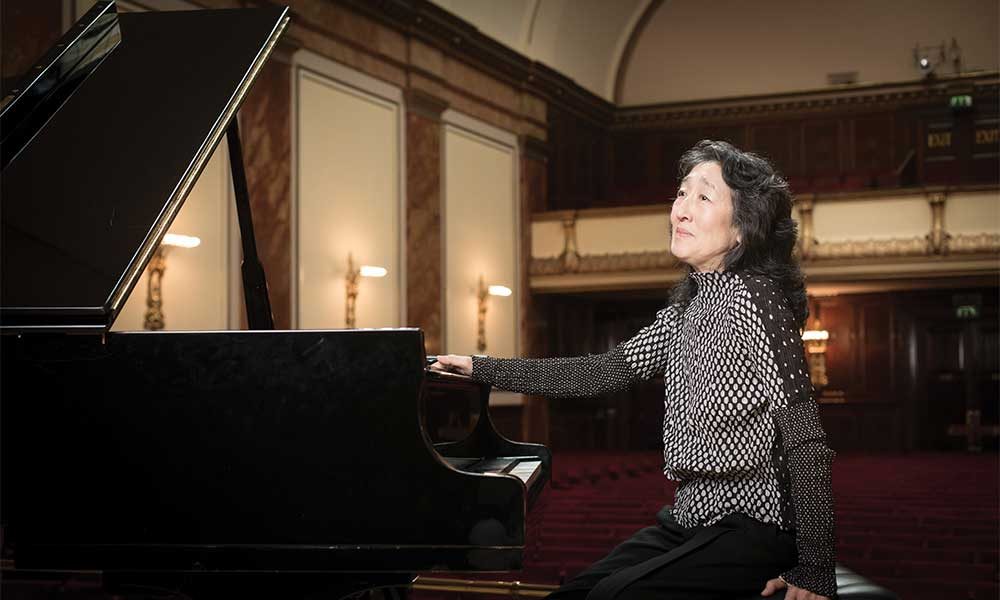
pixel 960 101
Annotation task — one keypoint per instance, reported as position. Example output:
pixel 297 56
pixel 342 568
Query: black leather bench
pixel 850 586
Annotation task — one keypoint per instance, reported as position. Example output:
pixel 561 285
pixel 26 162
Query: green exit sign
pixel 967 312
pixel 961 101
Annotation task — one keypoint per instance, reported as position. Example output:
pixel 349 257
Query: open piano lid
pixel 119 134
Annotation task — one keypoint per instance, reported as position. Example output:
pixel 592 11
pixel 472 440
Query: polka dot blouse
pixel 741 431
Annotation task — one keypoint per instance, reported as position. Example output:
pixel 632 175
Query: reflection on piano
pixel 234 461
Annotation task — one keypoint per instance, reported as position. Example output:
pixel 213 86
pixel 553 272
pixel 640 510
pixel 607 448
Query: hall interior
pixel 499 174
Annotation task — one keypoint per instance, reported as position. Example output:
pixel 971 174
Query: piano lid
pixel 85 200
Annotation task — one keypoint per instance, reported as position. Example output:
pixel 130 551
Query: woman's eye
pixel 680 193
pixel 706 198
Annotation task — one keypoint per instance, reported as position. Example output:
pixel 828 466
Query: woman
pixel 753 512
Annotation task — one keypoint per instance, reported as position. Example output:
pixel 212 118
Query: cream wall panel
pixel 613 235
pixel 977 212
pixel 195 285
pixel 481 234
pixel 547 239
pixel 872 219
pixel 348 190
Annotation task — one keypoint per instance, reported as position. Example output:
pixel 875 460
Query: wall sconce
pixel 815 340
pixel 353 273
pixel 484 294
pixel 157 265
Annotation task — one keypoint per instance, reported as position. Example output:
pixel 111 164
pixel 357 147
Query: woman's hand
pixel 453 364
pixel 793 592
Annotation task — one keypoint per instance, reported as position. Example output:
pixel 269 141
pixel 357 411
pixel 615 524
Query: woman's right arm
pixel 641 357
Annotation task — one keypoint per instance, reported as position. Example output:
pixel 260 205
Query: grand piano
pixel 233 462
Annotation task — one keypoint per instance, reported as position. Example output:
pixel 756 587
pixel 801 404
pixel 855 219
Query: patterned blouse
pixel 741 430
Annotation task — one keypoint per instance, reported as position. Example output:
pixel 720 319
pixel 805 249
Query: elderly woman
pixel 753 512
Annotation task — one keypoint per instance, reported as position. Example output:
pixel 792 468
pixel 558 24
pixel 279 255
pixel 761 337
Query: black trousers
pixel 732 559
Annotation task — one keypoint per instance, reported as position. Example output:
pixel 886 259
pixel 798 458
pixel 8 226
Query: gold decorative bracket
pixel 570 257
pixel 938 239
pixel 807 239
pixel 351 281
pixel 154 295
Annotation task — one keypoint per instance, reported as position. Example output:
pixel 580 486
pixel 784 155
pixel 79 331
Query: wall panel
pixel 348 188
pixel 481 234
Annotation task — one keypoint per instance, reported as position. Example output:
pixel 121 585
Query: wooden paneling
pixel 869 134
pixel 579 161
pixel 821 147
pixel 899 369
pixel 780 144
pixel 850 146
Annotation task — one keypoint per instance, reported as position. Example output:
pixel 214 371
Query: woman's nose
pixel 679 211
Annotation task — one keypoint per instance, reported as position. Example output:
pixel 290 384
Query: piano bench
pixel 850 586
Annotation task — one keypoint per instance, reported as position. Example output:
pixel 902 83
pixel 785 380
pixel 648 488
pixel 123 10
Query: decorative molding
pixel 978 244
pixel 975 243
pixel 871 251
pixel 605 263
pixel 826 197
pixel 871 248
pixel 846 99
pixel 826 276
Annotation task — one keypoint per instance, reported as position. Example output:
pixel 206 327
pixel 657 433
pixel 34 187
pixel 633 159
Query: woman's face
pixel 701 219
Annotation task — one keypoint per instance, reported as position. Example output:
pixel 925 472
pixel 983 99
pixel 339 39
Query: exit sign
pixel 960 101
pixel 967 306
pixel 967 311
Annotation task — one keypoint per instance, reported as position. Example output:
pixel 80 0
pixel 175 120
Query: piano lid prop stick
pixel 258 304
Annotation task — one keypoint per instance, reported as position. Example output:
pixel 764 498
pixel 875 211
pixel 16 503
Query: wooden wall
pixel 902 368
pixel 879 138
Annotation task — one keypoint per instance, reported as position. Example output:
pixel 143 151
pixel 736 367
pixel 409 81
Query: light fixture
pixel 928 58
pixel 484 293
pixel 154 320
pixel 353 273
pixel 816 339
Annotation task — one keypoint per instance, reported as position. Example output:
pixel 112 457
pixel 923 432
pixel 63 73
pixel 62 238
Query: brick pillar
pixel 535 416
pixel 266 135
pixel 424 262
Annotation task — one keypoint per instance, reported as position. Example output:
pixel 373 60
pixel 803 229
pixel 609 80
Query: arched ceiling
pixel 635 52
pixel 690 51
pixel 582 39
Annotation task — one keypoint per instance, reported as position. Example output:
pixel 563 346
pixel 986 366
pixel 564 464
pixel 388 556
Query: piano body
pixel 231 455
